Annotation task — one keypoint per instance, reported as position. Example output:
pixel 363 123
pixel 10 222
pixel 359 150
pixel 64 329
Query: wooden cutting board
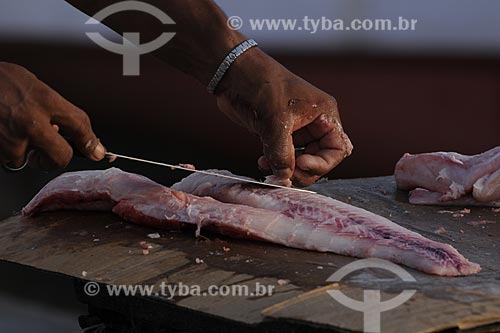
pixel 100 247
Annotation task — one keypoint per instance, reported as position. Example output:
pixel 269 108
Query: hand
pixel 285 112
pixel 31 115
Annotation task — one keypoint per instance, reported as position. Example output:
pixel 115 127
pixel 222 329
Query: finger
pixel 318 160
pixel 52 151
pixel 264 165
pixel 316 130
pixel 323 155
pixel 278 150
pixel 303 137
pixel 303 178
pixel 76 124
pixel 321 163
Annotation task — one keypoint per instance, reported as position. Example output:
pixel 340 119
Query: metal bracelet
pixel 9 169
pixel 224 66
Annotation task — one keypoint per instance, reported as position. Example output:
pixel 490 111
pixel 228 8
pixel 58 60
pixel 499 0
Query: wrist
pixel 226 64
pixel 200 54
pixel 219 52
pixel 203 39
pixel 248 74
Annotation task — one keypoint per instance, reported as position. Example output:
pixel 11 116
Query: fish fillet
pixel 294 219
pixel 450 177
pixel 337 227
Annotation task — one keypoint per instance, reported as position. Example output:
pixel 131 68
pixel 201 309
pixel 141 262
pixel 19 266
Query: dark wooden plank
pixel 108 250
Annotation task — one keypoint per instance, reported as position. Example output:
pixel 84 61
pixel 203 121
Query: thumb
pixel 76 124
pixel 279 151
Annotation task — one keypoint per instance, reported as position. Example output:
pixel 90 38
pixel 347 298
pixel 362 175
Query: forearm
pixel 202 38
pixel 256 92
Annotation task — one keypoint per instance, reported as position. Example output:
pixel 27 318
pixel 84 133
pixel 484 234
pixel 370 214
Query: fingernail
pixel 99 152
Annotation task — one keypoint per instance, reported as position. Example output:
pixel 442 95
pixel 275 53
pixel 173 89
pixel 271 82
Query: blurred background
pixel 435 88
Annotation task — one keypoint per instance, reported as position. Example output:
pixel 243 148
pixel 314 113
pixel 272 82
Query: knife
pixel 112 157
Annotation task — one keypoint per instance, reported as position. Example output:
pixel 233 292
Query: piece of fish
pixel 140 200
pixel 290 218
pixel 487 188
pixel 336 226
pixel 422 196
pixel 452 176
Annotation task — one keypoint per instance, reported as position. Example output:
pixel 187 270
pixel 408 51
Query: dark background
pixel 408 96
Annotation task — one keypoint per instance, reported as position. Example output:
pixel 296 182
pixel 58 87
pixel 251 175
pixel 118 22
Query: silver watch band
pixel 226 63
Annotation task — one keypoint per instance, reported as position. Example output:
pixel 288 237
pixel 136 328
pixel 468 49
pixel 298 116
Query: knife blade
pixel 113 156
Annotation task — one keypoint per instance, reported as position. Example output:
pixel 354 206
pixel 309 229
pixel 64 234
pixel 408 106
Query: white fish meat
pixel 451 178
pixel 334 226
pixel 290 218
